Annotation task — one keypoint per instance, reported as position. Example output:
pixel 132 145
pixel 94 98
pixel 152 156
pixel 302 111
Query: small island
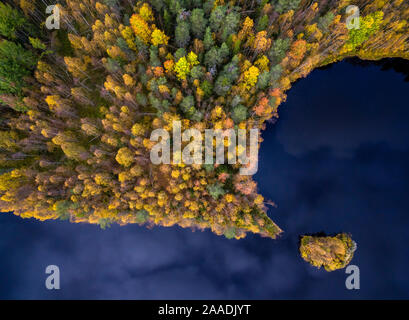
pixel 331 252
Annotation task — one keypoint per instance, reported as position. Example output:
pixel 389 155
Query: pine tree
pixel 182 34
pixel 198 22
pixel 11 20
pixel 15 64
pixel 208 39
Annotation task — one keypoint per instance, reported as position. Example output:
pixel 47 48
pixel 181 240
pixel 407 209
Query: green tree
pixel 198 23
pixel 283 6
pixel 188 107
pixel 275 74
pixel 239 113
pixel 37 43
pixel 222 85
pixel 230 233
pixel 180 53
pixel 207 88
pixel 215 56
pixel 325 21
pixel 10 21
pixel 182 34
pixel 232 69
pixel 208 41
pixel 263 80
pixel 216 190
pixel 230 24
pixel 141 216
pixel 279 49
pixel 15 64
pixel 217 18
pixel 230 73
pixel 224 51
pixel 196 72
pixel 153 56
pixel 262 23
pixel 175 6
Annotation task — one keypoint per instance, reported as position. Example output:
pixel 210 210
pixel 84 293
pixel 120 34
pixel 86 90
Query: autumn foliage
pixel 79 104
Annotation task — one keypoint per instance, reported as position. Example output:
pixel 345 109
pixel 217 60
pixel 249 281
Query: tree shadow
pixel 397 64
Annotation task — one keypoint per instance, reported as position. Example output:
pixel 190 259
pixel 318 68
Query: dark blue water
pixel 336 161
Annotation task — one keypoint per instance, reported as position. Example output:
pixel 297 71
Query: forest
pixel 79 102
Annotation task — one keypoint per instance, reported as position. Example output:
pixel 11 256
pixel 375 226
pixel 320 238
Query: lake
pixel 337 160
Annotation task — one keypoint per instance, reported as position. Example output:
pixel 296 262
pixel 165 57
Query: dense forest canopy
pixel 78 103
